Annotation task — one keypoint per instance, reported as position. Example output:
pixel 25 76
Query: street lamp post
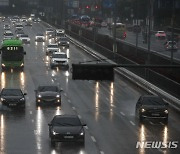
pixel 151 2
pixel 114 27
pixel 172 32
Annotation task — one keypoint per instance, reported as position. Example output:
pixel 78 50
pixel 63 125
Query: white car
pixel 59 33
pixel 40 37
pixel 24 38
pixel 49 31
pixel 8 35
pixel 52 48
pixel 59 59
pixel 19 27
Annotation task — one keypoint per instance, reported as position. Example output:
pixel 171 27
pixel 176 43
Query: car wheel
pixel 53 143
pixel 141 119
pixel 165 121
pixel 37 104
pixel 58 104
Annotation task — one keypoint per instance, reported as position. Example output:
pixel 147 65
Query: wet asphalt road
pixel 107 108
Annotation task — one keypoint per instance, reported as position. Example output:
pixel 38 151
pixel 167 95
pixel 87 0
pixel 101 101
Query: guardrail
pixel 114 58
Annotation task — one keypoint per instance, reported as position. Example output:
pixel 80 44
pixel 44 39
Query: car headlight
pixel 2 99
pixel 3 65
pixel 22 64
pixel 58 96
pixel 54 133
pixel 39 96
pixel 81 133
pixel 22 99
pixel 166 111
pixel 143 110
pixel 67 42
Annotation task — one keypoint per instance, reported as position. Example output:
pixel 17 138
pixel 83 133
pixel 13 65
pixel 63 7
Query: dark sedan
pixel 12 98
pixel 48 95
pixel 152 107
pixel 63 41
pixel 66 128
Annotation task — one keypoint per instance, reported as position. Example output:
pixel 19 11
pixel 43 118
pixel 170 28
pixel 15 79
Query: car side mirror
pixel 24 53
pixel 49 124
pixel 84 125
pixel 25 93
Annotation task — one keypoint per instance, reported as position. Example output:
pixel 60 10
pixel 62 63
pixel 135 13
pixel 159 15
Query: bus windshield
pixel 12 53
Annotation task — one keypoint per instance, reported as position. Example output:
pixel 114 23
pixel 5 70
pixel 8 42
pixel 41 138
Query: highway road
pixel 156 45
pixel 108 109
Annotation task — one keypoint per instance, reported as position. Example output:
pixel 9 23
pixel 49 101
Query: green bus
pixel 12 54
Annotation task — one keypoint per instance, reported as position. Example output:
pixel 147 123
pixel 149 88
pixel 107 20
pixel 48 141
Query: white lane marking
pixel 52 81
pixel 79 117
pixel 32 120
pixel 162 123
pixel 65 94
pixel 113 105
pixel 132 123
pixel 151 123
pixel 101 152
pixel 160 150
pixel 69 101
pixel 73 108
pixel 30 112
pixel 86 127
pixel 122 113
pixel 93 139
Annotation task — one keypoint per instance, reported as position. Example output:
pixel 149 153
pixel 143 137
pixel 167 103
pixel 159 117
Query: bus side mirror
pixel 24 53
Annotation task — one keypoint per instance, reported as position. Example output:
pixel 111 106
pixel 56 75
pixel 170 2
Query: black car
pixel 46 95
pixel 152 107
pixel 66 128
pixel 12 97
pixel 63 42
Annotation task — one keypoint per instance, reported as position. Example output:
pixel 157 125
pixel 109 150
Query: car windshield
pixel 52 46
pixel 170 43
pixel 11 92
pixel 24 35
pixel 49 30
pixel 63 39
pixel 8 34
pixel 59 56
pixel 47 88
pixel 153 101
pixel 66 121
pixel 39 35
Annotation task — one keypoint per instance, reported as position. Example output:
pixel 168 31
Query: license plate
pixel 155 114
pixel 12 104
pixel 69 137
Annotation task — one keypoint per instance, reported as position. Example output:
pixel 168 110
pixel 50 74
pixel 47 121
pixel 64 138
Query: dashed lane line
pixel 93 139
pixel 132 123
pixel 122 113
